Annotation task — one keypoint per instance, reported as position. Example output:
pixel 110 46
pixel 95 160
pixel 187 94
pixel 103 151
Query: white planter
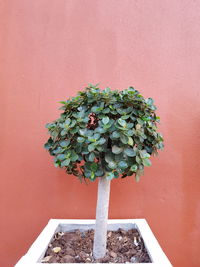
pixel 36 252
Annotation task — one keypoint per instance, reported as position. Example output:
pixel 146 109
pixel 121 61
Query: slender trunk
pixel 100 235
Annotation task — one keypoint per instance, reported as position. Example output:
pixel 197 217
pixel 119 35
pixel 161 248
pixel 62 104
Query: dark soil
pixel 75 247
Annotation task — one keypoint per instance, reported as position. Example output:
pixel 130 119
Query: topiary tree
pixel 106 134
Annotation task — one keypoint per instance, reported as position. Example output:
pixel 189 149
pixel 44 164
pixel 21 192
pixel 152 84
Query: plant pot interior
pixel 74 245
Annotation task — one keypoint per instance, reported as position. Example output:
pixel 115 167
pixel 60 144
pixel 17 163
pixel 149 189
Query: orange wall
pixel 51 49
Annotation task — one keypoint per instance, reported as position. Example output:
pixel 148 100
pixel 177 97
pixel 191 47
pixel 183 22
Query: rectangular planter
pixel 36 252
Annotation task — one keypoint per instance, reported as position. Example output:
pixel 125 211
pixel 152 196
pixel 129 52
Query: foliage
pixel 105 132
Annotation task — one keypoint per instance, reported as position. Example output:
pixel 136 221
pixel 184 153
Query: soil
pixel 76 247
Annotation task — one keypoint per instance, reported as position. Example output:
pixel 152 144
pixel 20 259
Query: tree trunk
pixel 100 234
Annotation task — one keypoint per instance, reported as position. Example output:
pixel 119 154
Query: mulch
pixel 76 247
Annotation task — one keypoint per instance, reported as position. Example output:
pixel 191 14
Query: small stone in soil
pixel 134 260
pixel 113 254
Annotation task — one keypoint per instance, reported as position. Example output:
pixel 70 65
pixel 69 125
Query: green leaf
pixel 112 164
pixel 116 174
pixel 49 144
pixel 146 118
pixel 115 135
pixel 58 150
pixel 130 125
pixel 96 136
pixel 61 156
pixel 144 154
pixel 92 177
pixel 133 117
pixel 122 165
pixel 125 117
pixel 50 126
pixel 63 132
pixel 96 109
pixel 91 139
pixel 138 160
pixel 130 141
pixel 157 118
pixel 121 111
pixel 88 173
pixel 106 110
pixel 54 134
pixel 140 121
pixel 106 126
pixel 74 156
pixel 56 164
pixel 74 130
pixel 101 141
pixel 130 133
pixel 91 157
pixel 63 102
pixel 73 123
pixel 65 163
pixel 105 120
pixel 100 130
pixel 83 132
pixel 99 148
pixel 107 90
pixel 134 168
pixel 146 162
pixel 99 173
pixel 64 143
pixel 116 149
pixel 109 157
pixel 109 176
pixel 129 152
pixel 91 147
pixel 94 166
pixel 124 139
pixel 149 101
pixel 122 122
pixel 80 139
pixel 68 121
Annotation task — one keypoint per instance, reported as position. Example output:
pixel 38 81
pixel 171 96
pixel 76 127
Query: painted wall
pixel 51 49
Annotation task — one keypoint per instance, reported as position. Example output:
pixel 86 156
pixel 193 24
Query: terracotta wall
pixel 51 49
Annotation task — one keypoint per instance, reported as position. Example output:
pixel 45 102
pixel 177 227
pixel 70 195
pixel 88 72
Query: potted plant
pixel 104 135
